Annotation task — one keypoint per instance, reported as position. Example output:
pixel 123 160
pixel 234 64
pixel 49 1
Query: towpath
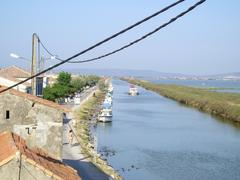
pixel 72 155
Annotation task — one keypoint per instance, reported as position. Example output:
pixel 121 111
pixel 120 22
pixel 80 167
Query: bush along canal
pixel 86 116
pixel 220 104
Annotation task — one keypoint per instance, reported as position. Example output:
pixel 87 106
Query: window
pixel 7 114
pixel 39 86
pixel 29 90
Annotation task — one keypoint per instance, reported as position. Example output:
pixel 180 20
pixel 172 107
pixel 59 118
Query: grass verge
pixel 84 116
pixel 219 104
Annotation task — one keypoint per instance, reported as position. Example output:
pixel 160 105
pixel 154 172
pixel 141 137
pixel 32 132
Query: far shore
pixel 223 105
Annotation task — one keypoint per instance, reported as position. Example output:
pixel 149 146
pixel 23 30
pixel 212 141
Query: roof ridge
pixel 21 69
pixel 12 143
pixel 36 99
pixel 16 67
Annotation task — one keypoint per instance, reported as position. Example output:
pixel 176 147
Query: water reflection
pixel 156 138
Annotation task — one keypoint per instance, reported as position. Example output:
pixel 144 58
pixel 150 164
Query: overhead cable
pixel 126 29
pixel 137 40
pixel 105 40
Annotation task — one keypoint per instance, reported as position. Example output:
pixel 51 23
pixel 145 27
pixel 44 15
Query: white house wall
pixel 7 83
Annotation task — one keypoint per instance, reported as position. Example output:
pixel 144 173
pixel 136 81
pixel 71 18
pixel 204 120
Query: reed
pixel 84 116
pixel 220 104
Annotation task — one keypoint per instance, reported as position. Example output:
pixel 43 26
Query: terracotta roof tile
pixel 7 148
pixel 13 73
pixel 35 99
pixel 11 143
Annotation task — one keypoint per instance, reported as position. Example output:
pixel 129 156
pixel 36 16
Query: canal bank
pixel 222 105
pixel 85 118
pixel 152 137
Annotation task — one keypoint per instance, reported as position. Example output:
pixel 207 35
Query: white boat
pixel 110 89
pixel 133 90
pixel 108 100
pixel 105 115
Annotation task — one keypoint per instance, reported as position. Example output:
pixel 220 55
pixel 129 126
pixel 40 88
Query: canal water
pixel 154 138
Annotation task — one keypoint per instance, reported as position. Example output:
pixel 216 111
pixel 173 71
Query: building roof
pixel 35 99
pixel 13 73
pixel 12 145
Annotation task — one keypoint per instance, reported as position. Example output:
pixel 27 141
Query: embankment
pixel 84 116
pixel 219 104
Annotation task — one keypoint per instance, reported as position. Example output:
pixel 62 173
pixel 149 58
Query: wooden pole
pixel 34 62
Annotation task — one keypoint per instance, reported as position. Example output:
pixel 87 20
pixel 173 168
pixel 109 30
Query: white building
pixel 13 74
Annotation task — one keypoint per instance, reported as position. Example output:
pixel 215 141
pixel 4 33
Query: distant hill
pixel 124 72
pixel 150 74
pixel 225 75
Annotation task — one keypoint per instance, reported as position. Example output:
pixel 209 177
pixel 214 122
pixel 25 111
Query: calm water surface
pixel 156 138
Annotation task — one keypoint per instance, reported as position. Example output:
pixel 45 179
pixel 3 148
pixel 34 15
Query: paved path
pixel 72 154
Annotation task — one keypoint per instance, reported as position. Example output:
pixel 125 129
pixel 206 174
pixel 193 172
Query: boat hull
pixel 133 94
pixel 105 119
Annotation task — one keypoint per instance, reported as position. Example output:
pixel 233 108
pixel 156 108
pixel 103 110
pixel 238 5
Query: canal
pixel 155 138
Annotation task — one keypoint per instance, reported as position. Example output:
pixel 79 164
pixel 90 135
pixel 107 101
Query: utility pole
pixel 34 62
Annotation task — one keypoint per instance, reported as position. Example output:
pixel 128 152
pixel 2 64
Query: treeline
pixel 224 105
pixel 66 86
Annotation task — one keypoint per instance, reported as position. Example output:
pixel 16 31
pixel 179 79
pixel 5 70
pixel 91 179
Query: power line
pixel 139 39
pixel 107 39
pixel 129 27
pixel 119 49
pixel 44 47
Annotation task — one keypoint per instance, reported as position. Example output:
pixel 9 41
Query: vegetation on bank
pixel 223 105
pixel 66 86
pixel 85 115
pixel 222 88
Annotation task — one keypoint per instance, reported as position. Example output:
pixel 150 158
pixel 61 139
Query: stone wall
pixel 40 125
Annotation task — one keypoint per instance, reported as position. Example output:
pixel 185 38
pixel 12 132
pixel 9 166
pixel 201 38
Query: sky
pixel 204 42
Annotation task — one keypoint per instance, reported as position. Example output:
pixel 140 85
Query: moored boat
pixel 133 90
pixel 105 115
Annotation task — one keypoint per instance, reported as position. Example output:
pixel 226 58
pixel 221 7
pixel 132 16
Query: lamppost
pixel 35 50
pixel 16 56
pixel 35 44
pixel 40 65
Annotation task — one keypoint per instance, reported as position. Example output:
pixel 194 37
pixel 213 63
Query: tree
pixel 66 86
pixel 101 84
pixel 48 93
pixel 78 84
pixel 92 80
pixel 64 78
pixel 60 89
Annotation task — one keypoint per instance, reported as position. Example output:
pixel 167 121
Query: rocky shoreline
pixel 86 116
